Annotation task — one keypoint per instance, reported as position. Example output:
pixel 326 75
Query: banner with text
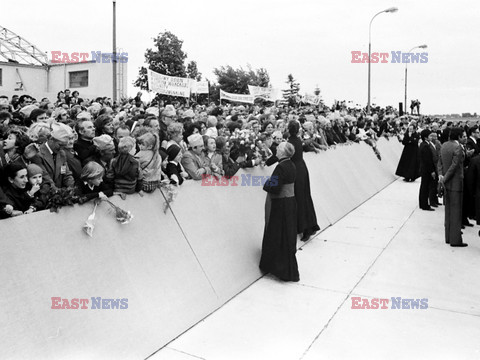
pixel 168 85
pixel 236 97
pixel 199 87
pixel 269 93
pixel 311 99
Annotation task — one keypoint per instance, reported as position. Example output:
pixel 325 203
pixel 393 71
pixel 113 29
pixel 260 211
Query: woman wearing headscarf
pixel 280 234
pixel 306 217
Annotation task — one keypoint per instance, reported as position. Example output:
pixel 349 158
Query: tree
pixel 168 59
pixel 237 80
pixel 192 71
pixel 290 94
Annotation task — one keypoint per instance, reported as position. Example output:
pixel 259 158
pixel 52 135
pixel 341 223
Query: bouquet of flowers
pixel 90 223
pixel 60 197
pixel 123 216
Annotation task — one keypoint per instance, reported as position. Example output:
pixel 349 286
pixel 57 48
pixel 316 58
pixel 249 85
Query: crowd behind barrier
pixel 174 268
pixel 75 150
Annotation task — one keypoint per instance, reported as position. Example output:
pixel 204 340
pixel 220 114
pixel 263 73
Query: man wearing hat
pixel 168 116
pixel 427 170
pixel 105 151
pixel 193 161
pixel 52 159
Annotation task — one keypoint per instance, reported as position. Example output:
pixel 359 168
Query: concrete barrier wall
pixel 173 268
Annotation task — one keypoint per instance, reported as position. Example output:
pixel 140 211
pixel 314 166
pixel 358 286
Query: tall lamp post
pixel 416 47
pixel 114 56
pixel 389 10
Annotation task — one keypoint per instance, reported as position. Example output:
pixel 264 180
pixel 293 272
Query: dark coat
pixel 306 217
pixel 408 166
pixel 473 185
pixel 18 198
pixel 427 163
pixel 56 173
pixel 84 149
pixel 85 194
pixel 280 234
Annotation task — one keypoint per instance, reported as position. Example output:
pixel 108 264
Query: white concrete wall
pixel 40 82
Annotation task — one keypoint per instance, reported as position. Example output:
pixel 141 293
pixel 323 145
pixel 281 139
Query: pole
pixel 114 56
pixel 405 88
pixel 369 51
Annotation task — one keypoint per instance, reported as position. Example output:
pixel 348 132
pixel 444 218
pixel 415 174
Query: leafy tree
pixel 167 58
pixel 291 92
pixel 237 80
pixel 192 71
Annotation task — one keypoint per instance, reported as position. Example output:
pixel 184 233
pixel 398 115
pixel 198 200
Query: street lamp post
pixel 390 10
pixel 114 56
pixel 416 47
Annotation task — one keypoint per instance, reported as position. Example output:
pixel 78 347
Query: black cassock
pixel 280 234
pixel 409 165
pixel 306 217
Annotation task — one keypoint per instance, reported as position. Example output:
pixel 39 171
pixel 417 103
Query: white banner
pixel 199 87
pixel 311 99
pixel 168 85
pixel 236 97
pixel 269 93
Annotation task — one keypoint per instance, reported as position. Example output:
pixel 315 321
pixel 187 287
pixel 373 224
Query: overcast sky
pixel 310 39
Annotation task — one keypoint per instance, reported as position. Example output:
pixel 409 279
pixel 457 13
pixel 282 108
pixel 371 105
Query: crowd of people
pixel 94 148
pixel 448 161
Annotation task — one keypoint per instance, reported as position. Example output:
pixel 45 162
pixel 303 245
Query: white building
pixel 27 70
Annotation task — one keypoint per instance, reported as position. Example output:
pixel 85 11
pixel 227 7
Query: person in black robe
pixel 306 217
pixel 16 191
pixel 409 166
pixel 280 234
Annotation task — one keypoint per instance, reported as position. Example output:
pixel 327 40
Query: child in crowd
pixel 125 170
pixel 214 159
pixel 174 170
pixel 150 161
pixel 91 185
pixel 38 193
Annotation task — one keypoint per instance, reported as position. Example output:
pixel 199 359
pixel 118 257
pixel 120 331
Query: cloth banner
pixel 269 93
pixel 199 87
pixel 311 99
pixel 168 85
pixel 236 97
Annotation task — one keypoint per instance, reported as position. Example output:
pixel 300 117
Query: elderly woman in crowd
pixel 125 171
pixel 175 137
pixel 280 234
pixel 306 217
pixel 104 151
pixel 193 161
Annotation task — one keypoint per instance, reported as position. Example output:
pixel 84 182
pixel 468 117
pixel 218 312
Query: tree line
pixel 168 58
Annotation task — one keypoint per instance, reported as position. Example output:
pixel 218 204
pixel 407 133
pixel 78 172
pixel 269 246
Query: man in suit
pixel 84 145
pixel 427 170
pixel 450 169
pixel 52 159
pixel 193 161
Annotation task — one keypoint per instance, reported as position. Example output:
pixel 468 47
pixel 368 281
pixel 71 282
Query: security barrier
pixel 172 268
